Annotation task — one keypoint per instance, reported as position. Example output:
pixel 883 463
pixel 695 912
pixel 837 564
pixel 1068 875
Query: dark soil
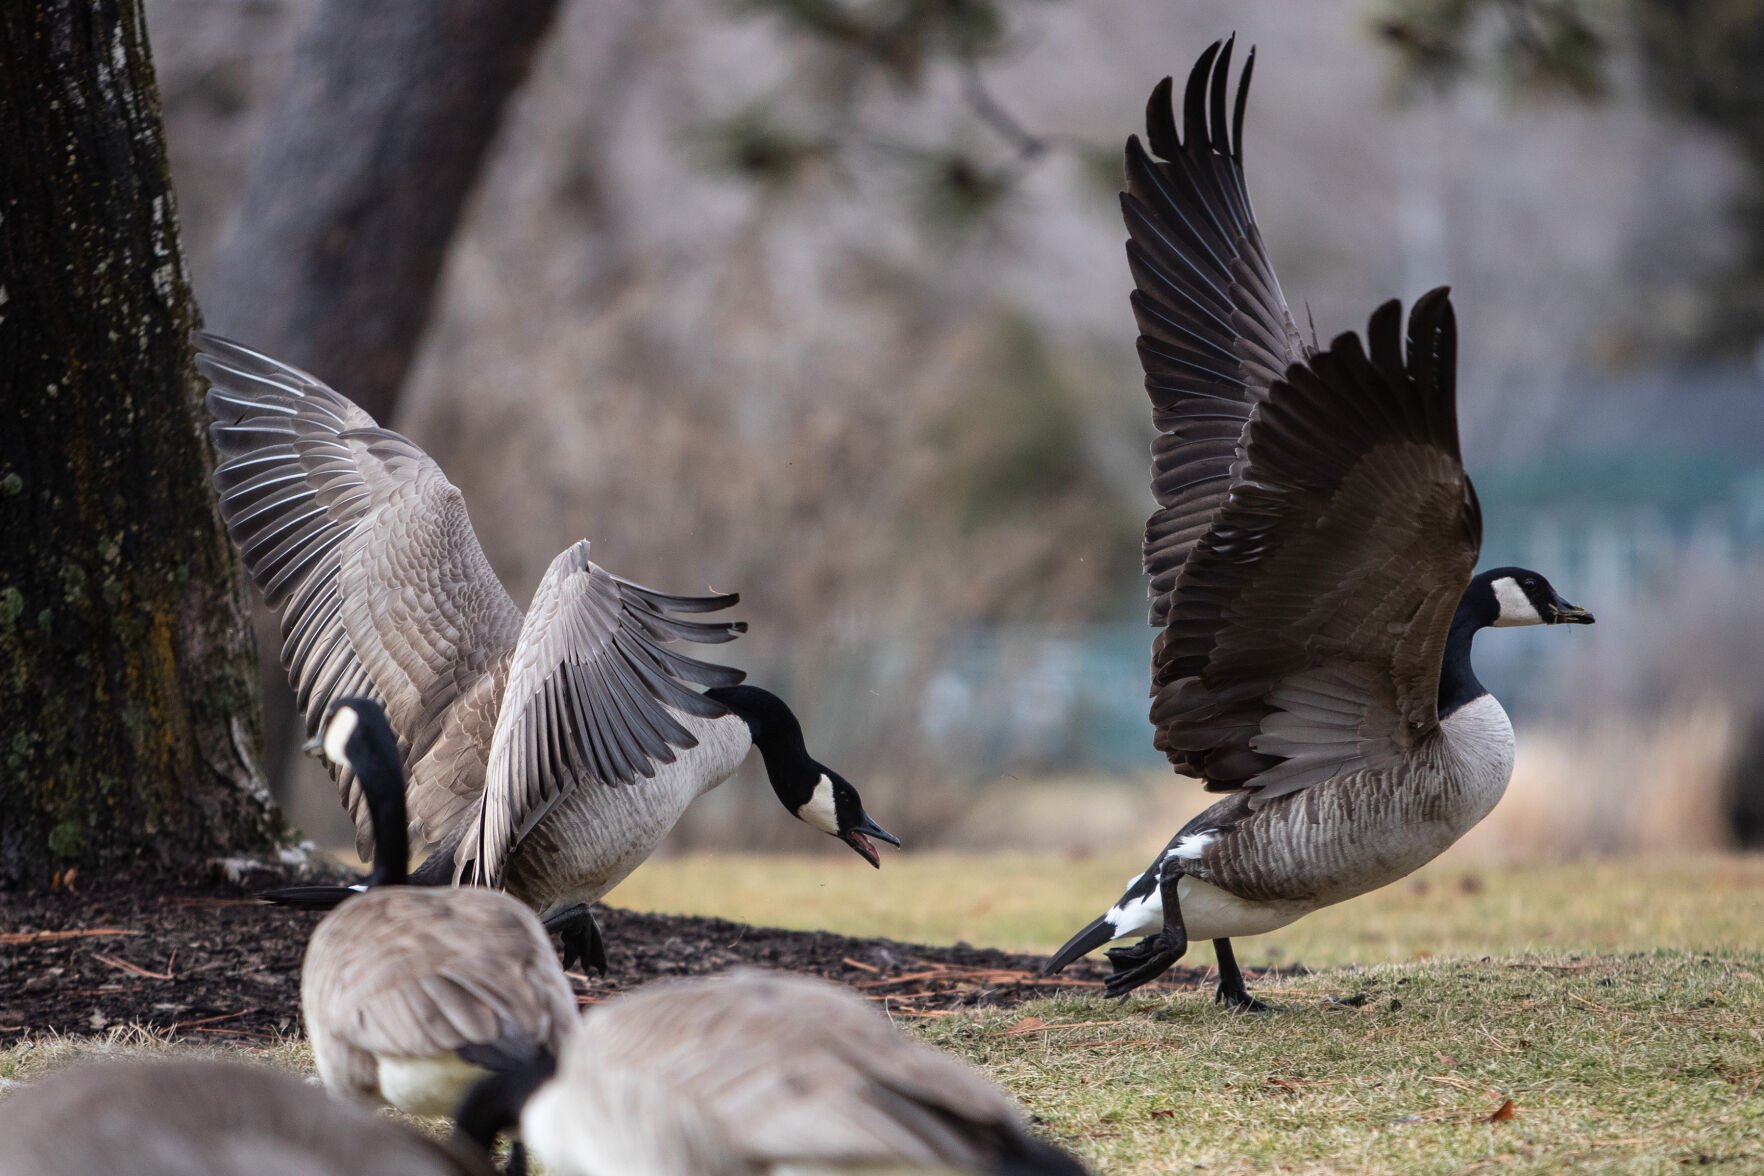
pixel 205 958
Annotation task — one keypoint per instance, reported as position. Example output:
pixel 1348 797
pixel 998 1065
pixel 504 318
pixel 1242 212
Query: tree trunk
pixel 331 259
pixel 127 672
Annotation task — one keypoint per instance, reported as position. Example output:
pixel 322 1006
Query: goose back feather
pixel 173 1118
pixel 751 1073
pixel 435 981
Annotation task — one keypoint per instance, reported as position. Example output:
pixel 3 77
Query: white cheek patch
pixel 1515 606
pixel 819 810
pixel 337 733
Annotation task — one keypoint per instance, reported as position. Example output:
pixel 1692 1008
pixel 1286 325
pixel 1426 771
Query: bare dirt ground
pixel 204 957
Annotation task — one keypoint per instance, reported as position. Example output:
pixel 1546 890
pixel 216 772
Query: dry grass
pixel 1636 1063
pixel 1618 1005
pixel 1460 904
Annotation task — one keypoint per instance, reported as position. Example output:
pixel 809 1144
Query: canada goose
pixel 1310 567
pixel 183 1116
pixel 548 753
pixel 751 1073
pixel 412 994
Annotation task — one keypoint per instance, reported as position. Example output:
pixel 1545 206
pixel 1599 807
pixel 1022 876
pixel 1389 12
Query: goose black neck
pixel 778 735
pixel 382 784
pixel 493 1106
pixel 1458 683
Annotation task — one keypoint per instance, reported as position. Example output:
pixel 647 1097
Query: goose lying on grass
pixel 752 1074
pixel 180 1117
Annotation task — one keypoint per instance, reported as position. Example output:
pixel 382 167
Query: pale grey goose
pixel 412 994
pixel 1310 566
pixel 184 1116
pixel 754 1073
pixel 548 753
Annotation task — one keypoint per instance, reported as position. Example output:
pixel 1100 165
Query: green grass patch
pixel 1632 1063
pixel 1619 1005
pixel 1456 906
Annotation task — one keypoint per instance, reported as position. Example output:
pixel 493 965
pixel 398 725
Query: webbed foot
pixel 580 935
pixel 1146 960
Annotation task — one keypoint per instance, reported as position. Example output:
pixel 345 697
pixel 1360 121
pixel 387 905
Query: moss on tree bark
pixel 127 672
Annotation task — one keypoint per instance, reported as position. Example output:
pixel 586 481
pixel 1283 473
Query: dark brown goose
pixel 1311 571
pixel 175 1118
pixel 756 1074
pixel 548 753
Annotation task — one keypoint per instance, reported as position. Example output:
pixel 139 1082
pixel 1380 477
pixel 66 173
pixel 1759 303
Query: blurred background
pixel 824 301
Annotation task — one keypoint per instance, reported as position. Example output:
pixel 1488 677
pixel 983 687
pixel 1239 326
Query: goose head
pixel 1508 597
pixel 834 807
pixel 813 793
pixel 356 735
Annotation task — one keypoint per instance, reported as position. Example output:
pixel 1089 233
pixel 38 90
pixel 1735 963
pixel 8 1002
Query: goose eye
pixel 1531 583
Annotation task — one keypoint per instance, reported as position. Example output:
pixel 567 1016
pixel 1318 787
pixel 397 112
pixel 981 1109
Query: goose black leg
pixel 1232 994
pixel 1152 956
pixel 517 1159
pixel 580 934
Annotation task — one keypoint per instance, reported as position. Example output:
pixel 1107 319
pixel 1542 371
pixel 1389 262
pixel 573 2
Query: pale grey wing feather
pixel 1215 330
pixel 591 699
pixel 416 971
pixel 1308 626
pixel 364 549
pixel 793 1071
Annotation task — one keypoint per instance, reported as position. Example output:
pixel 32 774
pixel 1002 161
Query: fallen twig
pixel 14 938
pixel 208 1020
pixel 123 965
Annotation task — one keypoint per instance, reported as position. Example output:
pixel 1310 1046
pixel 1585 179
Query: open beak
pixel 858 837
pixel 1570 614
pixel 314 747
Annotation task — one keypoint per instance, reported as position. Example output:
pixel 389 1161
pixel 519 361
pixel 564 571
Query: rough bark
pixel 368 156
pixel 127 673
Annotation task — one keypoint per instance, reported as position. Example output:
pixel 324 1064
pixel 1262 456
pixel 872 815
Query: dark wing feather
pixel 362 545
pixel 1214 328
pixel 592 696
pixel 1308 625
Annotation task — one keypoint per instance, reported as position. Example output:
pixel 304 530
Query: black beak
pixel 314 747
pixel 1570 614
pixel 858 837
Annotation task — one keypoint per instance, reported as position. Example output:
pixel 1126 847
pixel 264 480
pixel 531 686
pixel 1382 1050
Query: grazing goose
pixel 753 1073
pixel 548 753
pixel 411 994
pixel 1310 567
pixel 175 1118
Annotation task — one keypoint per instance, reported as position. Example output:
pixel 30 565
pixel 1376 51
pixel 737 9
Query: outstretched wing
pixel 1214 329
pixel 592 696
pixel 1307 627
pixel 362 546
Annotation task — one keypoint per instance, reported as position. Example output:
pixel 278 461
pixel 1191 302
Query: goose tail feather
pixel 310 898
pixel 1101 930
